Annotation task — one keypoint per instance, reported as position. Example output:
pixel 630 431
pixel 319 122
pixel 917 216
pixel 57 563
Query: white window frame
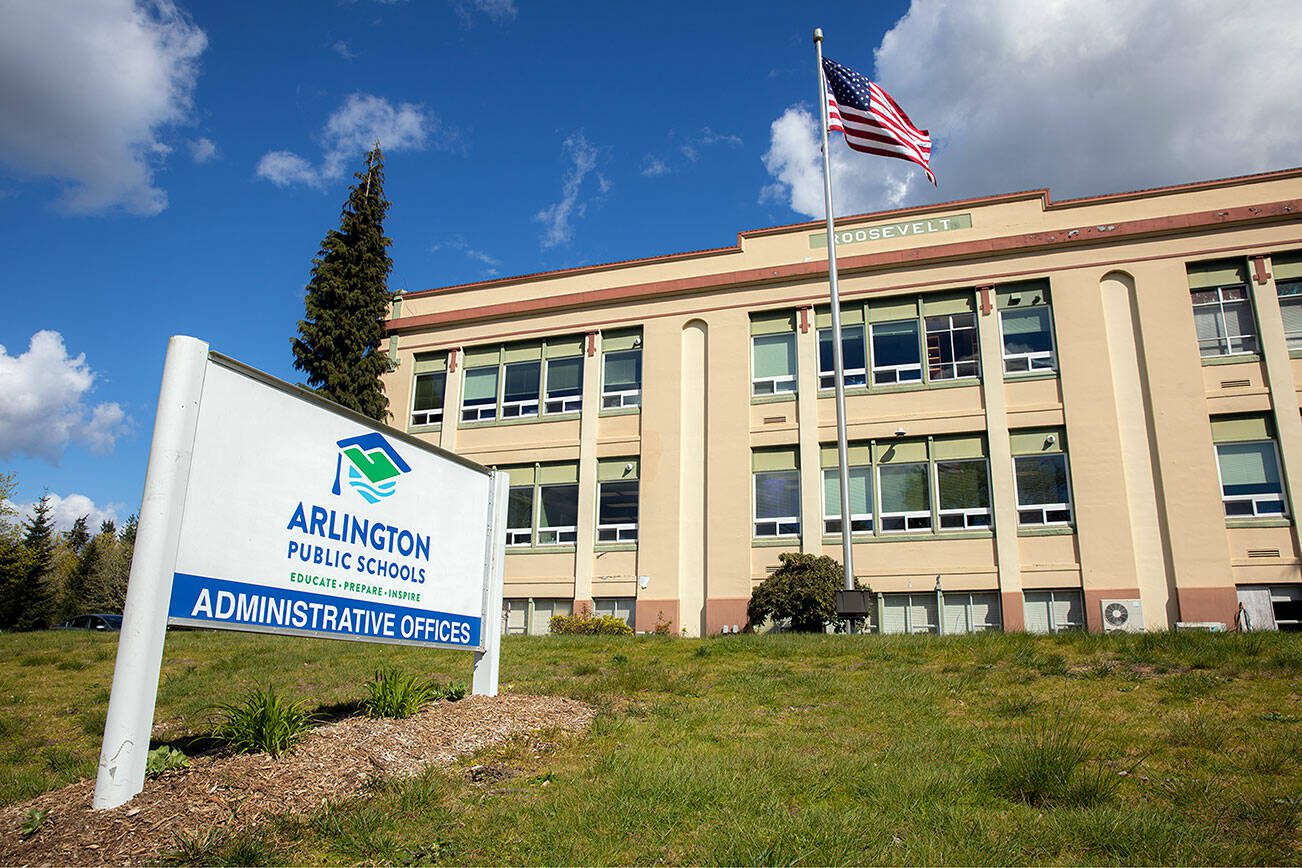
pixel 827 378
pixel 895 370
pixel 434 415
pixel 566 404
pixel 855 517
pixel 969 513
pixel 480 409
pixel 1035 361
pixel 1290 292
pixel 1225 344
pixel 1257 500
pixel 777 385
pixel 778 522
pixel 950 330
pixel 968 611
pixel 616 399
pixel 1054 626
pixel 618 533
pixel 513 534
pixel 909 516
pixel 1045 508
pixel 525 408
pixel 561 535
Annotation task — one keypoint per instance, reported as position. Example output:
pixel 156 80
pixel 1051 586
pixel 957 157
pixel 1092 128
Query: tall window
pixel 1222 310
pixel 520 390
pixel 1248 462
pixel 952 347
pixel 773 353
pixel 1290 309
pixel 897 356
pixel 776 479
pixel 853 350
pixel 963 494
pixel 543 505
pixel 428 389
pixel 1040 473
pixel 621 371
pixel 479 394
pixel 564 385
pixel 905 494
pixel 861 491
pixel 1026 326
pixel 617 500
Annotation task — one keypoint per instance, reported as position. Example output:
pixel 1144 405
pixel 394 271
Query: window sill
pixel 1036 530
pixel 773 399
pixel 903 387
pixel 541 550
pixel 532 420
pixel 1232 359
pixel 620 411
pixel 1030 375
pixel 425 429
pixel 903 536
pixel 1258 522
pixel 615 547
pixel 771 541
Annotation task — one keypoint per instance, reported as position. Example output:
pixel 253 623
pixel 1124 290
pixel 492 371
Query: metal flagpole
pixel 843 461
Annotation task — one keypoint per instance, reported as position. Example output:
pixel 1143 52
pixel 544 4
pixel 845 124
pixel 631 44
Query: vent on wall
pixel 1235 384
pixel 769 420
pixel 1263 553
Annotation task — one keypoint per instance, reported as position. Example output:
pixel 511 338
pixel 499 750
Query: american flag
pixel 871 121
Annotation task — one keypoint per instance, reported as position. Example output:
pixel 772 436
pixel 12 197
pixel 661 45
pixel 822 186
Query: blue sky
pixel 171 169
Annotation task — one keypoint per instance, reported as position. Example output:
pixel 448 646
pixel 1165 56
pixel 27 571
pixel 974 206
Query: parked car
pixel 92 622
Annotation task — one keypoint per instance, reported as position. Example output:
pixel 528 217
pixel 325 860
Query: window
pixel 520 390
pixel 621 379
pixel 1026 326
pixel 1223 319
pixel 909 613
pixel 543 505
pixel 970 613
pixel 1266 607
pixel 1248 463
pixel 776 492
pixel 861 497
pixel 773 353
pixel 428 389
pixel 1290 309
pixel 519 516
pixel 1053 611
pixel 623 608
pixel 479 400
pixel 952 347
pixel 1040 472
pixel 564 385
pixel 896 354
pixel 906 502
pixel 853 350
pixel 963 494
pixel 617 500
pixel 533 617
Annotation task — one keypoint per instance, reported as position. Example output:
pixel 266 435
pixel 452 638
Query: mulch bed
pixel 234 792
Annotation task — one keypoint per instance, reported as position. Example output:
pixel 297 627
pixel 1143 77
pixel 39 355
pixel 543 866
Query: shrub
pixel 584 624
pixel 164 759
pixel 454 691
pixel 393 693
pixel 266 721
pixel 802 589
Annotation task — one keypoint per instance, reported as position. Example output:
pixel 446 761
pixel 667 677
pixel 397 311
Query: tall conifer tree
pixel 34 601
pixel 338 346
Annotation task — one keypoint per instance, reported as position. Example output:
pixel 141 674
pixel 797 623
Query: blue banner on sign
pixel 226 604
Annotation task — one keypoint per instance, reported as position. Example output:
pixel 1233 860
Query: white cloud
pixel 67 509
pixel 1079 97
pixel 350 131
pixel 341 48
pixel 557 219
pixel 497 11
pixel 654 167
pixel 43 406
pixel 688 149
pixel 89 86
pixel 492 265
pixel 202 150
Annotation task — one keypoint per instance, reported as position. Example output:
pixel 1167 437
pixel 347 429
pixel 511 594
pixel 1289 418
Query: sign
pixel 304 521
pixel 891 231
pixel 270 509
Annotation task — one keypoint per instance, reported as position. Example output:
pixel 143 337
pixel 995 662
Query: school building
pixel 1061 415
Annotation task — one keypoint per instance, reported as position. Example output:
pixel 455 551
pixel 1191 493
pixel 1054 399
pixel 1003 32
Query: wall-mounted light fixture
pixel 643 581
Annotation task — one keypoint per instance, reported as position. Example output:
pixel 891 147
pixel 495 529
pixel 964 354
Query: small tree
pixel 338 346
pixel 803 589
pixel 78 535
pixel 34 601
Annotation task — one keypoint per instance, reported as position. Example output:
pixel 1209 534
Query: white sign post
pixel 269 509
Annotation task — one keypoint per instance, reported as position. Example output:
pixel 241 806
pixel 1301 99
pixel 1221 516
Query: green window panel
pixel 625 339
pixel 1223 272
pixel 775 356
pixel 429 363
pixel 772 322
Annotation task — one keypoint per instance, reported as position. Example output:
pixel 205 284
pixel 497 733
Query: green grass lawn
pixel 758 749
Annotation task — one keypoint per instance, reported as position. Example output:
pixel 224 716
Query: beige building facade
pixel 1061 415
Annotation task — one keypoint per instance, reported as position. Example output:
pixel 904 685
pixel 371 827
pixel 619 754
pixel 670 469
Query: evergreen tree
pixel 338 347
pixel 79 535
pixel 128 533
pixel 34 602
pixel 15 561
pixel 109 527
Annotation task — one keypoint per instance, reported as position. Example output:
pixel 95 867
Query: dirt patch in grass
pixel 238 792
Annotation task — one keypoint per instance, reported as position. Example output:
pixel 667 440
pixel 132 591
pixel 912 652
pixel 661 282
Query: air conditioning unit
pixel 1123 616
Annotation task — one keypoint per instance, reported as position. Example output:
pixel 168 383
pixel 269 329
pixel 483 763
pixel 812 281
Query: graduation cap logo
pixel 373 466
